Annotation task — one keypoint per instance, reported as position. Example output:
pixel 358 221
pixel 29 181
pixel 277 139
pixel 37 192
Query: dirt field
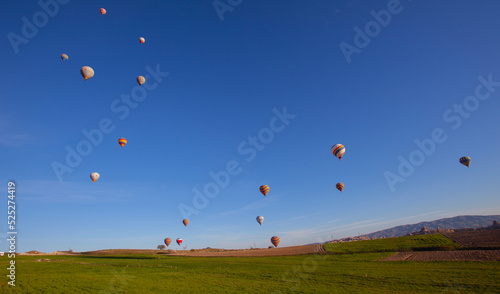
pixel 471 255
pixel 280 251
pixel 476 238
pixel 293 250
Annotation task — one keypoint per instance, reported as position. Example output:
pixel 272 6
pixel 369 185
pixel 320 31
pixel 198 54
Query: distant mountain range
pixel 457 222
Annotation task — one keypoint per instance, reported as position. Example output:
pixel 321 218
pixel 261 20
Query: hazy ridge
pixel 457 222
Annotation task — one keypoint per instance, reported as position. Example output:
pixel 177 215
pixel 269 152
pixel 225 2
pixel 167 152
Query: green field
pixel 406 243
pixel 331 273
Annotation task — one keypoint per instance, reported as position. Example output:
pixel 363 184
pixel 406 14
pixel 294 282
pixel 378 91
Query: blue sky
pixel 256 88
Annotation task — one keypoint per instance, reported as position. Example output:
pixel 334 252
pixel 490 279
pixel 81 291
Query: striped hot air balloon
pixel 185 222
pixel 275 240
pixel 264 189
pixel 141 80
pixel 167 241
pixel 338 150
pixel 64 57
pixel 340 186
pixel 465 160
pixel 122 141
pixel 179 241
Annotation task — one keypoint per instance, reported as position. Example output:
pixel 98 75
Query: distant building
pixel 495 225
pixel 424 230
pixel 351 239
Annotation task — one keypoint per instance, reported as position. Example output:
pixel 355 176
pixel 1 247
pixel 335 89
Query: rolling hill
pixel 457 222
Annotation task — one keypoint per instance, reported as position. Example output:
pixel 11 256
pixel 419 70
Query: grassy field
pixel 337 273
pixel 407 243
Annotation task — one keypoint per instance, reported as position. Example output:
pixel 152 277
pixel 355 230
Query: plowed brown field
pixel 280 251
pixel 293 250
pixel 476 238
pixel 471 255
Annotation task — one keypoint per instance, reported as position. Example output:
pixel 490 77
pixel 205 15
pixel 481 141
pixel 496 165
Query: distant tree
pixel 160 247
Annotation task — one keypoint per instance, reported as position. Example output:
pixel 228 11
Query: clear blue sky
pixel 229 73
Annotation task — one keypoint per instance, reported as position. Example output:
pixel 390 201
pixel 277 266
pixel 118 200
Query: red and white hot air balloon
pixel 94 176
pixel 87 72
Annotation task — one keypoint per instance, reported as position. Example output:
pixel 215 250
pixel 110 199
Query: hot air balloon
pixel 64 57
pixel 94 176
pixel 140 80
pixel 87 72
pixel 264 189
pixel 122 141
pixel 142 40
pixel 340 186
pixel 260 219
pixel 465 160
pixel 275 240
pixel 167 241
pixel 185 222
pixel 103 11
pixel 179 241
pixel 338 150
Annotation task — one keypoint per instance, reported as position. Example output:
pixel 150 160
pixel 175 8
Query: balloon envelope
pixel 179 241
pixel 340 186
pixel 64 57
pixel 167 241
pixel 264 189
pixel 141 80
pixel 465 160
pixel 338 150
pixel 260 219
pixel 87 72
pixel 103 11
pixel 275 240
pixel 122 141
pixel 142 40
pixel 94 176
pixel 185 221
